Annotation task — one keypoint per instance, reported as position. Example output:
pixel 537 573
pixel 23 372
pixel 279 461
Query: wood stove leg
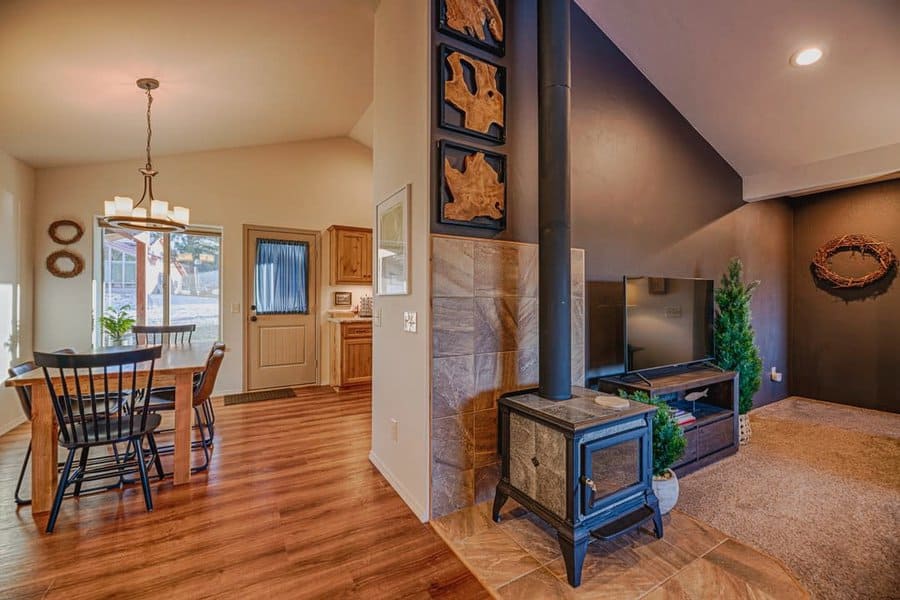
pixel 657 523
pixel 657 517
pixel 573 553
pixel 500 499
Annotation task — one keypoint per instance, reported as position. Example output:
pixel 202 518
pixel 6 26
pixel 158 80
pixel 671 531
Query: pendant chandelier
pixel 123 213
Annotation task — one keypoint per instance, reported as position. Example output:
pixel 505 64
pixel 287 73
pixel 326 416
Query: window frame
pixel 97 275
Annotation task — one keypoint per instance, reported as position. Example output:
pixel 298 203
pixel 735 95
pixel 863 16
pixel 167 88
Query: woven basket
pixel 745 431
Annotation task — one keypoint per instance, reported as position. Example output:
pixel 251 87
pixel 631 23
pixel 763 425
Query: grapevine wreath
pixel 77 264
pixel 863 244
pixel 54 234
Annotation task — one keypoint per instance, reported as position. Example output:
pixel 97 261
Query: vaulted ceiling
pixel 725 66
pixel 232 73
pixel 239 73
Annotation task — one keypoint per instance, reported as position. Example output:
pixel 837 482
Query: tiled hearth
pixel 484 344
pixel 520 558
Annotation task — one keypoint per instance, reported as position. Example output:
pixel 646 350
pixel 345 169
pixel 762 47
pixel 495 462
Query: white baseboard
pixel 420 511
pixel 10 425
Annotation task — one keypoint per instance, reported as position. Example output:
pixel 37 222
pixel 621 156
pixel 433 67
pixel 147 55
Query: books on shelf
pixel 682 417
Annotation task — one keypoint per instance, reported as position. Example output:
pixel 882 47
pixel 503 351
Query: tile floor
pixel 520 558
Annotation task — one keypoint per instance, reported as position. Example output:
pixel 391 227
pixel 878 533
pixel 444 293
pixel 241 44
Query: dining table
pixel 177 366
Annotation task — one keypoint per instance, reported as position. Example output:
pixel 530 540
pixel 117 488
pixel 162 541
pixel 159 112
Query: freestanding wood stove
pixel 583 468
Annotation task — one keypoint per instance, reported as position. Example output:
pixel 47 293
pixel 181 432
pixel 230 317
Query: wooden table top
pixel 175 359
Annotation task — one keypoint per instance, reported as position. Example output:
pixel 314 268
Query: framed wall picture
pixel 657 285
pixel 481 23
pixel 471 95
pixel 343 299
pixel 392 244
pixel 472 186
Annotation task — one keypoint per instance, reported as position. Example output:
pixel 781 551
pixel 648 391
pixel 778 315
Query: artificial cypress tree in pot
pixel 735 345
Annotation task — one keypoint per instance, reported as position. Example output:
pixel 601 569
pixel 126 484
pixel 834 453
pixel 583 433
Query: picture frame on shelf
pixel 471 95
pixel 481 23
pixel 392 244
pixel 342 298
pixel 471 186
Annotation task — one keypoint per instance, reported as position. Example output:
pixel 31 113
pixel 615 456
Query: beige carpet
pixel 817 487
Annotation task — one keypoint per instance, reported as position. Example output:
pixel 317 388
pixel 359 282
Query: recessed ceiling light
pixel 806 57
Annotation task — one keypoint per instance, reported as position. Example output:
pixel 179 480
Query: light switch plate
pixel 409 322
pixel 236 308
pixel 376 318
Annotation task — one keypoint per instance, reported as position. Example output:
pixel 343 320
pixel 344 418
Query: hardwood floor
pixel 290 508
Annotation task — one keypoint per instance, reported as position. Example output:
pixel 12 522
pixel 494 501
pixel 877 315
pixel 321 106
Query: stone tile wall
pixel 484 344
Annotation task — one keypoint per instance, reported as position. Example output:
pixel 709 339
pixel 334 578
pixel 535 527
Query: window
pixel 281 277
pixel 162 279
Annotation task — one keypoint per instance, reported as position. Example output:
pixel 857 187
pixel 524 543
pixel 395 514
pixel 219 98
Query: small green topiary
pixel 668 438
pixel 735 347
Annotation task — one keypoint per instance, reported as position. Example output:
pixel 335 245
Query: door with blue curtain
pixel 282 316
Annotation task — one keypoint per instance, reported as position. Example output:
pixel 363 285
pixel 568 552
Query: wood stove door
pixel 613 469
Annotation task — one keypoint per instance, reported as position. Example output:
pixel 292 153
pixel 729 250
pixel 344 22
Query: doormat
pixel 259 396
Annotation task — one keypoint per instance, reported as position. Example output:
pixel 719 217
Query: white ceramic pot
pixel 666 490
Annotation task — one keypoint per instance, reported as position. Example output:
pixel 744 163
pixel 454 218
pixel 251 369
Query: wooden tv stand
pixel 714 435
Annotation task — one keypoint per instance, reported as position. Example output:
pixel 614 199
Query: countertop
pixel 349 319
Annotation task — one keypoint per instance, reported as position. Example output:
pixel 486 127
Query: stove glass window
pixel 616 467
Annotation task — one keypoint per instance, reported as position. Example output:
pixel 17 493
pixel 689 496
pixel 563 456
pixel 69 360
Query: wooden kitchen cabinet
pixel 351 255
pixel 351 353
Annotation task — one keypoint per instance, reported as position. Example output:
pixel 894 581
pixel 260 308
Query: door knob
pixel 253 318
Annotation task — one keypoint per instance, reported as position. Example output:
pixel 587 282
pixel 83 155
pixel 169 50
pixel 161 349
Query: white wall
pixel 16 255
pixel 402 368
pixel 304 185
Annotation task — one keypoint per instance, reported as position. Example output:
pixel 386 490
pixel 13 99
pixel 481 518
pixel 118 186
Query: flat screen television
pixel 668 321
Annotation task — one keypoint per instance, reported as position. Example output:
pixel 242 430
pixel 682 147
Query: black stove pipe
pixel 554 237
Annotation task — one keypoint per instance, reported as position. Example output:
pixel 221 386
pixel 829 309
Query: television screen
pixel 668 321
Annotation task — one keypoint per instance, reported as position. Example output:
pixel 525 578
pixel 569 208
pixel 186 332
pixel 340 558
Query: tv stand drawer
pixel 690 448
pixel 715 436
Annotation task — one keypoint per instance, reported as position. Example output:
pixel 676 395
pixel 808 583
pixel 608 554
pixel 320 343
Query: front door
pixel 282 293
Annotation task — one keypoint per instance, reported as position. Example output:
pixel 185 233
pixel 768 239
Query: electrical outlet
pixel 409 322
pixel 673 312
pixel 395 430
pixel 776 376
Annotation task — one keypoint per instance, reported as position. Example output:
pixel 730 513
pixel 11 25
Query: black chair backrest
pixel 83 412
pixel 25 392
pixel 168 335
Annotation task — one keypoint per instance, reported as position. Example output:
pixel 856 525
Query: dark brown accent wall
pixel 649 195
pixel 845 346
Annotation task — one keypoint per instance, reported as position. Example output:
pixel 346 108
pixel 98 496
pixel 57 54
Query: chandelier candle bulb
pixel 109 208
pixel 182 215
pixel 140 212
pixel 123 206
pixel 159 209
